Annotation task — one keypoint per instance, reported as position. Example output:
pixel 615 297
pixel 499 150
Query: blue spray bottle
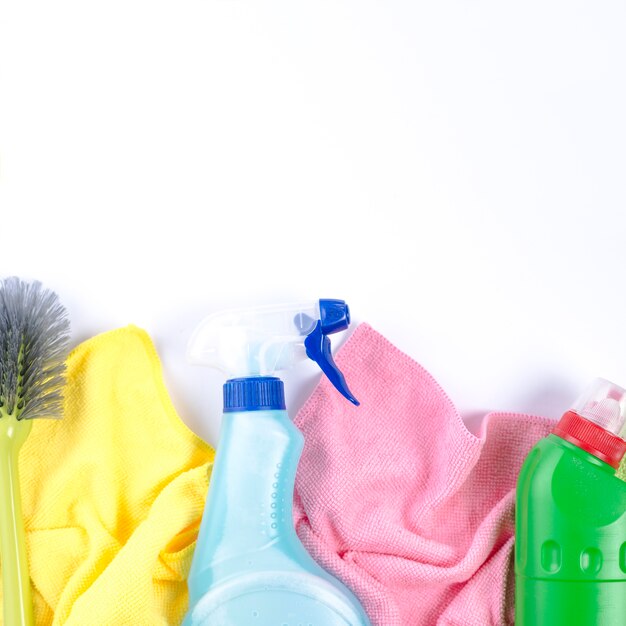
pixel 249 567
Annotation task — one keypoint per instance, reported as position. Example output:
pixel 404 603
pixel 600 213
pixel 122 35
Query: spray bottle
pixel 249 567
pixel 570 548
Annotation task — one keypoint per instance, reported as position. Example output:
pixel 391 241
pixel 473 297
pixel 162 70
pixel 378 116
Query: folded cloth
pixel 113 493
pixel 400 501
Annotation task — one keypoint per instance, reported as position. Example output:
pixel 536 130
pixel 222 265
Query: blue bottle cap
pixel 258 393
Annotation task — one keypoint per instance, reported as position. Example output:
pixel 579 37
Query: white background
pixel 454 170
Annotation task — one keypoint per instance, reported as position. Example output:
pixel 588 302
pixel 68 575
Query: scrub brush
pixel 34 336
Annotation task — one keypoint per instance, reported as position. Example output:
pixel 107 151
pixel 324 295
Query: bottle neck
pixel 582 454
pixel 249 504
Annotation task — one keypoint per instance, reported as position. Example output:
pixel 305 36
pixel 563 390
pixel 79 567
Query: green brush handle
pixel 18 607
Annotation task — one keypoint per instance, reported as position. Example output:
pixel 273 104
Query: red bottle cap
pixel 592 438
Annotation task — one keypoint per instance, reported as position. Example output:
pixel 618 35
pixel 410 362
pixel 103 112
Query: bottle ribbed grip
pixel 592 438
pixel 261 393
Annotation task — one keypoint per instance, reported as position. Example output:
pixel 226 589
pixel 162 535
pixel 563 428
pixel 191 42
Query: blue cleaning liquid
pixel 250 568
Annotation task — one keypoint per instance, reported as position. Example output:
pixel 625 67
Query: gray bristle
pixel 34 339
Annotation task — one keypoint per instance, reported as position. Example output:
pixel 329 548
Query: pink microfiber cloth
pixel 400 501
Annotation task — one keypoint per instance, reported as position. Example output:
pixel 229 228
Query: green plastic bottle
pixel 570 530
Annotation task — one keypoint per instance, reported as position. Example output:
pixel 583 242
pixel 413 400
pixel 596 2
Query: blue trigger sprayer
pixel 249 567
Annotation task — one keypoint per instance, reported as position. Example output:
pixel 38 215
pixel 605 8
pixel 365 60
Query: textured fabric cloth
pixel 400 501
pixel 113 493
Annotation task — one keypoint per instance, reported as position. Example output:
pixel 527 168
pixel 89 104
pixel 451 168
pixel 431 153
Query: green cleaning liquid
pixel 570 540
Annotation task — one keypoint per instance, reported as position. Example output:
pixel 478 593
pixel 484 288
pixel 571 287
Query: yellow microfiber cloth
pixel 113 494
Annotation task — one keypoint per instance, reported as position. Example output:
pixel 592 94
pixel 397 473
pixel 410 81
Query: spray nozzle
pixel 264 340
pixel 334 317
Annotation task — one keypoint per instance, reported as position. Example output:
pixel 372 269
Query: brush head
pixel 34 339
